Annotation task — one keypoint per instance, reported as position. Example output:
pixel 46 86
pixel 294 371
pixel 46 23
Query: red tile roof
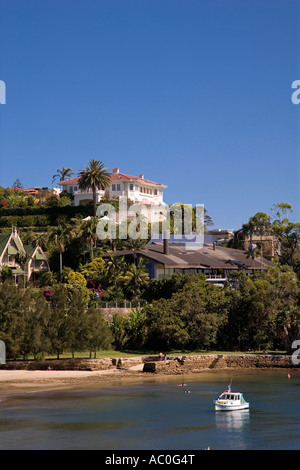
pixel 115 177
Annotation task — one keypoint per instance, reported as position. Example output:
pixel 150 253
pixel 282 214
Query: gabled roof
pixel 35 251
pixel 4 239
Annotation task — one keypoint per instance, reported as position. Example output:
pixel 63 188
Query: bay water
pixel 157 413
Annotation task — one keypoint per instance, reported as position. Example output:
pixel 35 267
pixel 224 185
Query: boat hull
pixel 227 407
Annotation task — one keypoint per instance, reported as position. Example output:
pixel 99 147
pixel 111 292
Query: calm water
pixel 158 415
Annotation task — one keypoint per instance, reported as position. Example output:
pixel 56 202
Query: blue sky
pixel 195 94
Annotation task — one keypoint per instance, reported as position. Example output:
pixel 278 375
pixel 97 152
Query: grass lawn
pixel 116 354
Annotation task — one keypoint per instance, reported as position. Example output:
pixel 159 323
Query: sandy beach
pixel 12 381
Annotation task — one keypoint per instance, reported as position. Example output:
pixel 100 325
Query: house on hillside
pixel 165 257
pixel 25 261
pixel 134 188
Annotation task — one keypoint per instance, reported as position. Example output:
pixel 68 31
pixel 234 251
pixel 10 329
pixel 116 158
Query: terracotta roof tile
pixel 115 177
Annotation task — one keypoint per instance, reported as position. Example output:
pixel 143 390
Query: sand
pixel 12 381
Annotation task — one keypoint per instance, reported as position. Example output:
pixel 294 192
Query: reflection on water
pixel 233 425
pixel 157 415
pixel 232 420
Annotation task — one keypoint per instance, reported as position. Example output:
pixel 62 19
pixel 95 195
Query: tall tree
pixel 75 322
pixel 262 226
pixel 57 322
pixel 96 177
pixel 99 334
pixel 135 245
pixel 63 174
pixel 10 301
pixel 59 236
pixel 33 324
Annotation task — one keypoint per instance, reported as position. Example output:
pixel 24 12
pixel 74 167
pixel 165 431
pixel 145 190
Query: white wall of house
pixel 137 189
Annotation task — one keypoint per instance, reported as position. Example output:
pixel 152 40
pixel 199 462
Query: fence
pixel 129 304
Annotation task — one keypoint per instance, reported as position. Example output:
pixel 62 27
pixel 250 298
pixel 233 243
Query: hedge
pixel 40 216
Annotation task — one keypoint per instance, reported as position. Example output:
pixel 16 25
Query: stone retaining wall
pixel 173 365
pixel 190 364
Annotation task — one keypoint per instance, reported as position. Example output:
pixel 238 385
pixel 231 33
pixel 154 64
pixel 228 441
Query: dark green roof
pixel 4 237
pixel 29 249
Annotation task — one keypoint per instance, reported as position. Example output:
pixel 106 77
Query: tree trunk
pixel 94 201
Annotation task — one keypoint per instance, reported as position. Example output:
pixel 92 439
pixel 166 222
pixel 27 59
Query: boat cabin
pixel 232 396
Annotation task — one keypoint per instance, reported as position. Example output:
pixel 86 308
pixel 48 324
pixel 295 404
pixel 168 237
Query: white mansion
pixel 135 188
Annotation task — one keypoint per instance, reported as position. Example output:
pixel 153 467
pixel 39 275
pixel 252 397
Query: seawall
pixel 191 364
pixel 152 364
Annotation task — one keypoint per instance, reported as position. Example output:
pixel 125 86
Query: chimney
pixel 115 170
pixel 166 242
pixel 141 176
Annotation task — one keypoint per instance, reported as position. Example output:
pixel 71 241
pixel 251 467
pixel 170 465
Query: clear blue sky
pixel 195 94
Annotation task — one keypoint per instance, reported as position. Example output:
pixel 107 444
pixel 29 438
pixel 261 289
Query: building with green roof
pixel 24 261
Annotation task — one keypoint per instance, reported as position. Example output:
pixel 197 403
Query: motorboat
pixel 230 401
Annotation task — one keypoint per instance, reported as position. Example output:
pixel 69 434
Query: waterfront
pixel 157 414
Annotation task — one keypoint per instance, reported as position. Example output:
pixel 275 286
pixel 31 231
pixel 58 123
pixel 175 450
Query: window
pixel 131 187
pixel 155 192
pixel 118 187
pixel 113 187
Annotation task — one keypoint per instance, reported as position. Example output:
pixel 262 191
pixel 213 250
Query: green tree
pixel 98 332
pixel 94 270
pixel 135 277
pixel 57 321
pixel 10 301
pixel 32 324
pixel 115 266
pixel 75 323
pixel 262 226
pixel 119 332
pixel 96 177
pixel 89 233
pixel 6 273
pixel 136 328
pixel 62 174
pixel 191 318
pixel 59 236
pixel 135 245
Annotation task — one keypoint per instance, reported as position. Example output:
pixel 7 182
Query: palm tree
pixel 89 234
pixel 63 174
pixel 22 259
pixel 115 266
pixel 135 245
pixel 96 177
pixel 135 277
pixel 59 236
